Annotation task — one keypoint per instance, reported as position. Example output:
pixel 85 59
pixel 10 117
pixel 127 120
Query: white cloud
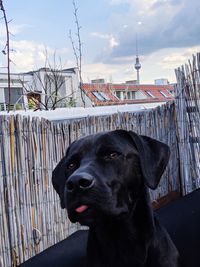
pixel 14 29
pixel 29 55
pixel 125 26
pixel 137 4
pixel 177 58
pixel 118 73
pixel 100 35
pixel 112 40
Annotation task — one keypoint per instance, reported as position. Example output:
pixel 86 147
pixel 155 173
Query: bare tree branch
pixel 6 51
pixel 77 50
pixel 48 85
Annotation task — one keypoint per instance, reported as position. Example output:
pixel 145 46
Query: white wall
pixel 2 97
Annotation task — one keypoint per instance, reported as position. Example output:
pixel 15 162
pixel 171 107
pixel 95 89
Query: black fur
pixel 109 174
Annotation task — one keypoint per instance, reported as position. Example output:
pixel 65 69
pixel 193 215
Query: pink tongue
pixel 81 208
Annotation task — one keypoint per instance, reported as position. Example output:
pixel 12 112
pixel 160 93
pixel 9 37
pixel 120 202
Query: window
pixel 101 96
pixel 150 94
pixel 131 95
pixel 15 96
pixel 118 94
pixel 3 80
pixel 105 96
pixel 98 96
pixel 123 95
pixel 163 93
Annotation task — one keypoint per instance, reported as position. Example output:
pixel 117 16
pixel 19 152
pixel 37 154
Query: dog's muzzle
pixel 81 181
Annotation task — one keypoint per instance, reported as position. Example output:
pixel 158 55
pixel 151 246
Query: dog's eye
pixel 112 155
pixel 71 165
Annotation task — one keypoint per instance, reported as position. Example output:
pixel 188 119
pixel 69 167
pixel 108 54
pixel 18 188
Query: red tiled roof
pixel 109 89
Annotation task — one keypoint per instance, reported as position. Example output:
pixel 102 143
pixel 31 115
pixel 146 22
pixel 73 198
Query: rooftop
pixel 108 94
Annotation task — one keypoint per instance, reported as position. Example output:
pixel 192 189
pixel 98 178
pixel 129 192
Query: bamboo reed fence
pixel 30 215
pixel 188 122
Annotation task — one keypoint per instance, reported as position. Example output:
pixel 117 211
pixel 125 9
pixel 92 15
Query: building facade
pixel 42 88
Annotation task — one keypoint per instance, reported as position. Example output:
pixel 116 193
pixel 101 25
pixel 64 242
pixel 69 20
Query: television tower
pixel 137 63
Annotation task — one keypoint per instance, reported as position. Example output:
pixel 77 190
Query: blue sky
pixel 168 34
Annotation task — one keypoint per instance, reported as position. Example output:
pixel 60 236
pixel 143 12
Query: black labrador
pixel 103 183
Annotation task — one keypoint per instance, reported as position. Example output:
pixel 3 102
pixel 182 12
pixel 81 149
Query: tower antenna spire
pixel 137 61
pixel 136 45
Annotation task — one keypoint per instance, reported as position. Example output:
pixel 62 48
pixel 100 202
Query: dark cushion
pixel 70 252
pixel 181 218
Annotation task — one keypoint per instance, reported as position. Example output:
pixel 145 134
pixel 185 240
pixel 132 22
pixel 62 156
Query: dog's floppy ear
pixel 59 177
pixel 154 156
pixel 59 180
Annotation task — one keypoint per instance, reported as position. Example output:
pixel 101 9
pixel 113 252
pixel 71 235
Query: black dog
pixel 103 182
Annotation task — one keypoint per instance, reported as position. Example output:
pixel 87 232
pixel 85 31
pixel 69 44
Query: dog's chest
pixel 114 255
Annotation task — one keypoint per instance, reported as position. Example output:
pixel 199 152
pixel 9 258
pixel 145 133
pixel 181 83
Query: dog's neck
pixel 105 240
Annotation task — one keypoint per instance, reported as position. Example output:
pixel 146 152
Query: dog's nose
pixel 81 181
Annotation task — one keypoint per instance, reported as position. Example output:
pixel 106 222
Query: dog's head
pixel 102 174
